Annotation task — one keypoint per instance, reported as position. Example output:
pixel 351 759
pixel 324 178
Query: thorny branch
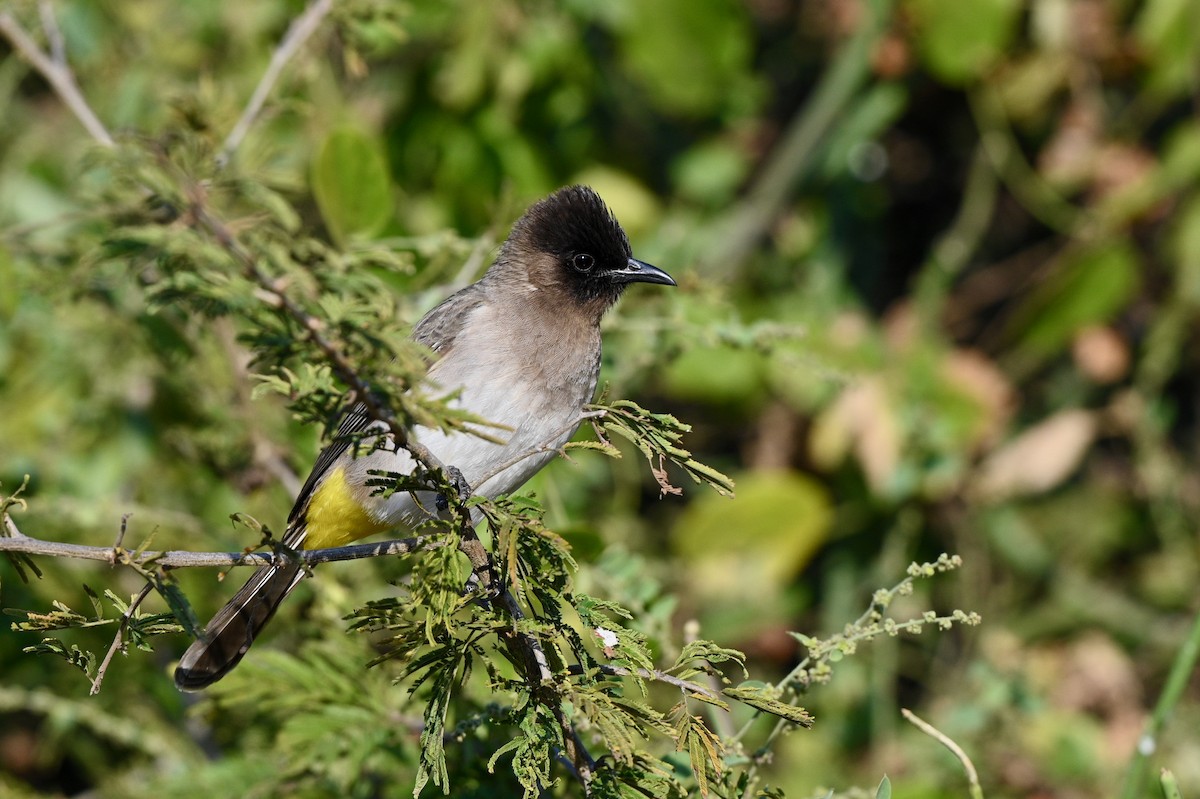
pixel 61 78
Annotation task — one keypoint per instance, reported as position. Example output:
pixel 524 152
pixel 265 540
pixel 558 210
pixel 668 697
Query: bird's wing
pixel 437 330
pixel 355 422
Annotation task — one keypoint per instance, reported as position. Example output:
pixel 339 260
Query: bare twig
pixel 545 446
pixel 933 732
pixel 297 34
pixel 117 545
pixel 654 675
pixel 536 653
pixel 573 747
pixel 58 75
pixel 202 218
pixel 10 530
pixel 54 36
pixel 179 559
pixel 119 638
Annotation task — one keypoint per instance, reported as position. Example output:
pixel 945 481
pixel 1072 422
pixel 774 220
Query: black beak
pixel 640 272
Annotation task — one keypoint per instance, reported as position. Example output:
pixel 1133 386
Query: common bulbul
pixel 522 346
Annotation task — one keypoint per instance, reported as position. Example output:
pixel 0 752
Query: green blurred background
pixel 939 269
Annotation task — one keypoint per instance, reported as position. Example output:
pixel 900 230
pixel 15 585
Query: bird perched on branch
pixel 522 346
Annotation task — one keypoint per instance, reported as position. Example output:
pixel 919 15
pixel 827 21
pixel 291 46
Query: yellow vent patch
pixel 335 518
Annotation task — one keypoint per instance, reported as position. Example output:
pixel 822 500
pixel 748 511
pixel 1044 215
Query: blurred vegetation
pixel 939 269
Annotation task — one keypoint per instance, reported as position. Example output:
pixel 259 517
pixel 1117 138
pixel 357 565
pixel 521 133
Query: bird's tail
pixel 231 632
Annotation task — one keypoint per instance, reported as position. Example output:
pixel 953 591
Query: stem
pixel 1177 680
pixel 791 161
pixel 58 75
pixel 955 247
pixel 119 638
pixel 973 788
pixel 303 27
pixel 654 675
pixel 997 140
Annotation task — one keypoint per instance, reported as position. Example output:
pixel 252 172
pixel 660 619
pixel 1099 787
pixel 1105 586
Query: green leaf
pixel 1088 289
pixel 1169 784
pixel 959 41
pixel 80 659
pixel 765 698
pixel 754 546
pixel 656 436
pixel 884 791
pixel 1165 31
pixel 351 184
pixel 693 58
pixel 703 747
pixel 708 650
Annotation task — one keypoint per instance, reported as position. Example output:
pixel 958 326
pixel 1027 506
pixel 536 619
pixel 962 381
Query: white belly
pixel 496 384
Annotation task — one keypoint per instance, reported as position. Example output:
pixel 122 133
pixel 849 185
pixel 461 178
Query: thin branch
pixel 10 530
pixel 119 638
pixel 1036 196
pixel 303 27
pixel 793 159
pixel 933 732
pixel 1177 681
pixel 63 82
pixel 573 747
pixel 54 36
pixel 537 654
pixel 651 674
pixel 313 329
pixel 545 446
pixel 59 76
pixel 180 559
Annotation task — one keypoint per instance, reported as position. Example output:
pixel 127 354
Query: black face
pixel 576 227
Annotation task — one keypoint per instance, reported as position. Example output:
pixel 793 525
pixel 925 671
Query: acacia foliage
pixel 939 292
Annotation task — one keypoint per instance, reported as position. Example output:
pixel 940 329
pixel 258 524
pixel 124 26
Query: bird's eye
pixel 582 262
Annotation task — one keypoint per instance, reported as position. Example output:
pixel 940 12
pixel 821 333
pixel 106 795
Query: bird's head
pixel 571 244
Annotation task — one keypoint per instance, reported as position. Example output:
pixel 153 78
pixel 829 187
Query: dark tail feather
pixel 231 632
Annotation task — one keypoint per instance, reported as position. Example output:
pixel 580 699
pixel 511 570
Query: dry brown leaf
pixel 976 375
pixel 1039 459
pixel 860 421
pixel 1101 354
pixel 876 432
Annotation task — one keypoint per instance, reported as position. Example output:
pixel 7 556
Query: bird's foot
pixel 461 486
pixel 477 590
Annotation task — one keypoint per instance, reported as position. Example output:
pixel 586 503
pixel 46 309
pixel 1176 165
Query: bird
pixel 521 347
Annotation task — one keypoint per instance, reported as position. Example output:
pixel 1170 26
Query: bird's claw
pixel 461 486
